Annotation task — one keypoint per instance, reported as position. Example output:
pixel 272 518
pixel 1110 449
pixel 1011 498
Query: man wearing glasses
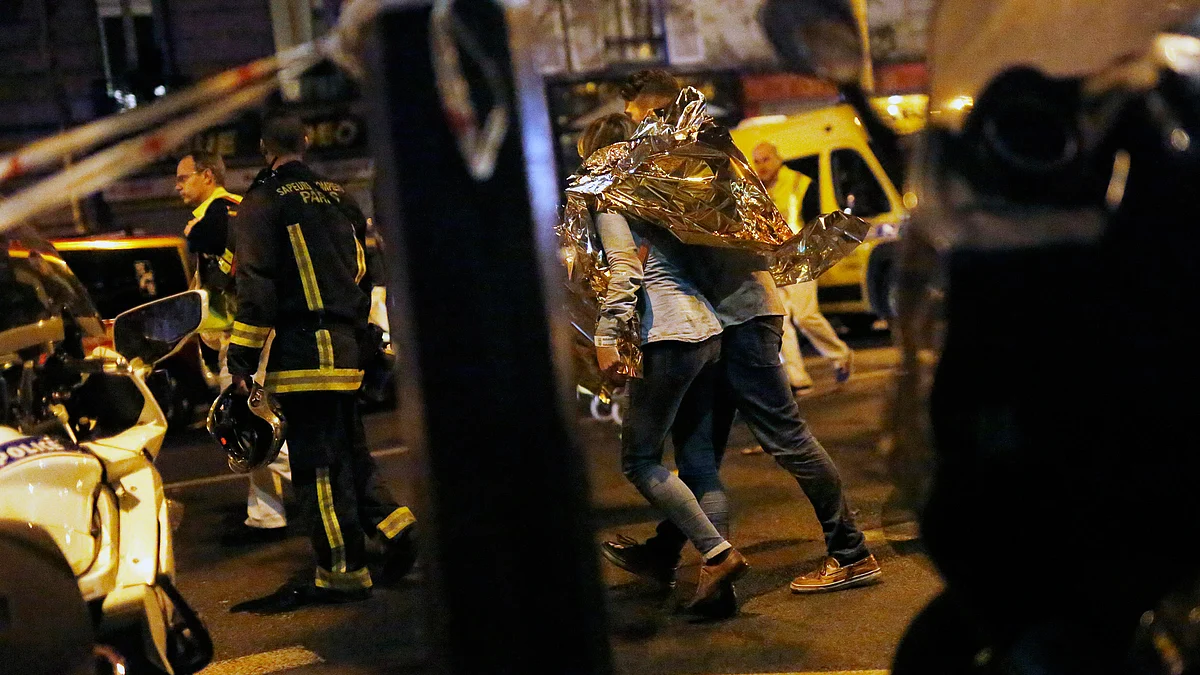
pixel 200 182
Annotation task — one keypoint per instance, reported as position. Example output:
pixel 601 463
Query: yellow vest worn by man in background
pixel 800 300
pixel 788 194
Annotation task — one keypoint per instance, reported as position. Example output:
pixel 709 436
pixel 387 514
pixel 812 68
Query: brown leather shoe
pixel 730 569
pixel 833 576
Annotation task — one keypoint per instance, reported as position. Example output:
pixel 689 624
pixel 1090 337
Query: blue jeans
pixel 756 384
pixel 675 395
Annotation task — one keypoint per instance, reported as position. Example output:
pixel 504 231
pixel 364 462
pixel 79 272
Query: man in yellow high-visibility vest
pixel 787 188
pixel 200 183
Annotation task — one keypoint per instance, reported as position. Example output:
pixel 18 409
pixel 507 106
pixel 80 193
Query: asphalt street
pixel 853 631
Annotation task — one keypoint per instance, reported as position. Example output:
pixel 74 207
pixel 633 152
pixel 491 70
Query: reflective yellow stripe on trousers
pixel 333 531
pixel 347 581
pixel 397 522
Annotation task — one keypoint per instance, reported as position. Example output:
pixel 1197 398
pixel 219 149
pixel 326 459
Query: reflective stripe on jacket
pixel 301 271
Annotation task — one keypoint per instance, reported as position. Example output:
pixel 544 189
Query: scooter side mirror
pixel 816 37
pixel 155 330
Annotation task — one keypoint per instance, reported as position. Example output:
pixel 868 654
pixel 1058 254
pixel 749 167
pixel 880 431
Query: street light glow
pixel 961 103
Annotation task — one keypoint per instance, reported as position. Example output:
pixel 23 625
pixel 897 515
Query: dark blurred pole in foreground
pixel 506 533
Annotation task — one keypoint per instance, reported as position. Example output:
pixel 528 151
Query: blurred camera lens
pixel 1031 135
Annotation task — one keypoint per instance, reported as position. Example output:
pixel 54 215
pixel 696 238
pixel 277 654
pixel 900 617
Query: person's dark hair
pixel 654 82
pixel 604 131
pixel 210 161
pixel 284 135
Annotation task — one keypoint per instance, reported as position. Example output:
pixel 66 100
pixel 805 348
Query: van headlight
pixel 883 230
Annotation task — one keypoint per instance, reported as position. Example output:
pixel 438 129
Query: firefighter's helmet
pixel 251 429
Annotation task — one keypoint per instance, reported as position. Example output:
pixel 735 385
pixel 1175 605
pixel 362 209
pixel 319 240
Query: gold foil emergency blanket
pixel 820 244
pixel 681 171
pixel 586 281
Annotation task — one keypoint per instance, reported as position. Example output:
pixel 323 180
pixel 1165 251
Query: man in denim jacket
pixel 754 382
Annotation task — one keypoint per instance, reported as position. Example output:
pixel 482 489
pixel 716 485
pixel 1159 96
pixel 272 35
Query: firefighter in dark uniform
pixel 302 272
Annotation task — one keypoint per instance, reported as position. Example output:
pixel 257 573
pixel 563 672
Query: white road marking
pixel 833 672
pixel 266 662
pixel 225 478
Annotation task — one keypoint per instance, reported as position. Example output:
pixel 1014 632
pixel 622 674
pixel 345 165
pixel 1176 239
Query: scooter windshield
pixel 36 285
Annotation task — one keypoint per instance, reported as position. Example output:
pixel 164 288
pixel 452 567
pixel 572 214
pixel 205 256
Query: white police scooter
pixel 78 440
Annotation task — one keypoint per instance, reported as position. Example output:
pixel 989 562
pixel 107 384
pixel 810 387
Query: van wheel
pixel 893 300
pixel 886 293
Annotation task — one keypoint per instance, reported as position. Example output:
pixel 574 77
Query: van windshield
pixel 857 190
pixel 120 279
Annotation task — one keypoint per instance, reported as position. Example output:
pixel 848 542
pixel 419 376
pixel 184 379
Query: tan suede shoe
pixel 730 569
pixel 833 576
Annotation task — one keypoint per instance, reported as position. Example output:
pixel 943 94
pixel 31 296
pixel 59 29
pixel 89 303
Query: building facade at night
pixel 71 61
pixel 593 35
pixel 588 46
